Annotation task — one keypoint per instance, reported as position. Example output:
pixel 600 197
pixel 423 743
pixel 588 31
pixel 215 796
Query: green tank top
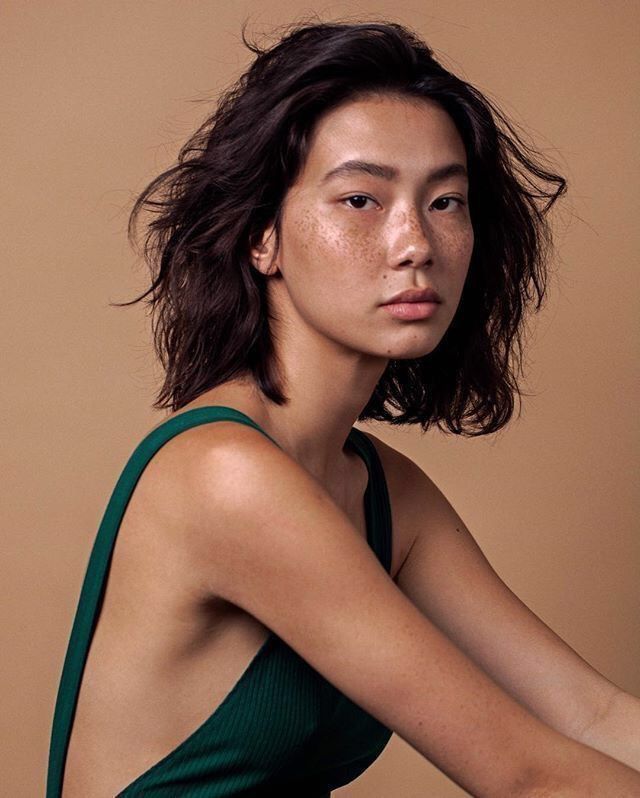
pixel 283 729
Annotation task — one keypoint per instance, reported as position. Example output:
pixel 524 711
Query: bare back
pixel 166 651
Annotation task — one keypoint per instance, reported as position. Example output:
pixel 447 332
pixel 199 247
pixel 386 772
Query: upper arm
pixel 275 544
pixel 447 576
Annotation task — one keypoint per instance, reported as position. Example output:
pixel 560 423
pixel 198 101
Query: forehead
pixel 409 133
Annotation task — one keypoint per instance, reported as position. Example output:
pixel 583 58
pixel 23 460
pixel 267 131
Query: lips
pixel 415 295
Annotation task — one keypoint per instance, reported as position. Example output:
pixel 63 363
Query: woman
pixel 269 597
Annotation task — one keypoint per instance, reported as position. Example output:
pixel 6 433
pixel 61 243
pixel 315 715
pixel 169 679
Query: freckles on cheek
pixel 314 236
pixel 344 248
pixel 457 246
pixel 363 244
pixel 305 226
pixel 358 248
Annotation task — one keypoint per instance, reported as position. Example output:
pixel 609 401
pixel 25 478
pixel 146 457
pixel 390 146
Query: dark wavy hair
pixel 209 303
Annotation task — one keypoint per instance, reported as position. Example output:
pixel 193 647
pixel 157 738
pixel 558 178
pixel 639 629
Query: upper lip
pixel 415 295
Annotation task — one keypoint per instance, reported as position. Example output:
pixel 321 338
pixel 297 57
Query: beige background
pixel 97 98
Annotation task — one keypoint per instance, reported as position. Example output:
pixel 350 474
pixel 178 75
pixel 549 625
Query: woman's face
pixel 352 240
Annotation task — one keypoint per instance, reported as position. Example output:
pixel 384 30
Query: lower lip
pixel 411 310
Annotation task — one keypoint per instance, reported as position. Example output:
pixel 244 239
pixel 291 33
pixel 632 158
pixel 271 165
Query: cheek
pixel 341 251
pixel 457 244
pixel 469 240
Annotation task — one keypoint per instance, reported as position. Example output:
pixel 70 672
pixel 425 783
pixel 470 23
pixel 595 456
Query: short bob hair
pixel 229 183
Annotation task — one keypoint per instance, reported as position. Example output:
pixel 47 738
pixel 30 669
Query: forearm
pixel 566 768
pixel 617 732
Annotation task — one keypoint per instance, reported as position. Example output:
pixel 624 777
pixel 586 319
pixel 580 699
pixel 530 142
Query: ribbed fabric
pixel 283 729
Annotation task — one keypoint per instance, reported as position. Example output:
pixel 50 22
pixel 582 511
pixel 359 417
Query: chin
pixel 411 352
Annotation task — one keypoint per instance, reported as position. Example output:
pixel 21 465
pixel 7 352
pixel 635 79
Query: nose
pixel 409 243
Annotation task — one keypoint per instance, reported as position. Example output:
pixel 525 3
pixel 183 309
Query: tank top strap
pixel 377 502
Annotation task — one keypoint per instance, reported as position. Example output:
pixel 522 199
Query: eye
pixel 358 197
pixel 461 203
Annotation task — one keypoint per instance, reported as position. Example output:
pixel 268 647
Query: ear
pixel 263 254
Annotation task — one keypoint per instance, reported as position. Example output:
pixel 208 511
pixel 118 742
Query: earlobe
pixel 263 254
pixel 262 259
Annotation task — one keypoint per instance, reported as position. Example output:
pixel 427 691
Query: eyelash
pixel 460 202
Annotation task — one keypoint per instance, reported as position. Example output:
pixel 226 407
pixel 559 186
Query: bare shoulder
pixel 162 512
pixel 179 470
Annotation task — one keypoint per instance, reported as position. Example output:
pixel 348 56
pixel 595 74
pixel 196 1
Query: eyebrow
pixel 391 173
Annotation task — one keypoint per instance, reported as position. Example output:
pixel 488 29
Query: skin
pixel 340 258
